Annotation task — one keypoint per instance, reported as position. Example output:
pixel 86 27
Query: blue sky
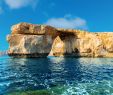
pixel 91 15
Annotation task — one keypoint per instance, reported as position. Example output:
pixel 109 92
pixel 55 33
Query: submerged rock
pixel 29 40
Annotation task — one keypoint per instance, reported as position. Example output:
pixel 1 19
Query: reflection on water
pixel 80 76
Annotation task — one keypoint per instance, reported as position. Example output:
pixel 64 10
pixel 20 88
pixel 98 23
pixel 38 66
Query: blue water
pixel 79 76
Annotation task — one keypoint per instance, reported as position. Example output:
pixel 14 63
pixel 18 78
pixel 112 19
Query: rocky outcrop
pixel 31 40
pixel 3 53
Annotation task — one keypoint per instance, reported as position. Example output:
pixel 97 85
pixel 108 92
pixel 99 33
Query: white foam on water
pixel 97 88
pixel 75 91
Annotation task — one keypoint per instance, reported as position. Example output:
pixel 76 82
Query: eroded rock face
pixel 83 44
pixel 31 40
pixel 30 45
pixel 33 29
pixel 28 40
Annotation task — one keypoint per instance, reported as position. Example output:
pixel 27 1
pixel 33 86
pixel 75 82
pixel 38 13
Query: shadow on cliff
pixel 69 41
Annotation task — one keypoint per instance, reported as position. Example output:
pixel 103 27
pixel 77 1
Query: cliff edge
pixel 31 40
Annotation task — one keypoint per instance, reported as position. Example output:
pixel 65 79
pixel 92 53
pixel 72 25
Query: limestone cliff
pixel 31 40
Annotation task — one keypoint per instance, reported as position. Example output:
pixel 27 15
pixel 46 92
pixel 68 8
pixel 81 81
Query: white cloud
pixel 68 22
pixel 16 4
pixel 1 10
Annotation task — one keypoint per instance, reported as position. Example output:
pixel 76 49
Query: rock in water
pixel 30 40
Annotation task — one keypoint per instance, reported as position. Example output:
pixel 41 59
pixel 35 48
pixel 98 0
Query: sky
pixel 91 15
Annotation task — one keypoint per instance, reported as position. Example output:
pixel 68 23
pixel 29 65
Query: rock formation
pixel 3 53
pixel 29 40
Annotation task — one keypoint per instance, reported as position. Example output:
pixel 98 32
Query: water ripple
pixel 78 76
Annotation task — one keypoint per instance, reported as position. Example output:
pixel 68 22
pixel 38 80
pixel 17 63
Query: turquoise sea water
pixel 60 76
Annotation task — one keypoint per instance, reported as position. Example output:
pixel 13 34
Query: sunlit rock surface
pixel 32 40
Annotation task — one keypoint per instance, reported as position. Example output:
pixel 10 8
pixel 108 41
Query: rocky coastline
pixel 31 40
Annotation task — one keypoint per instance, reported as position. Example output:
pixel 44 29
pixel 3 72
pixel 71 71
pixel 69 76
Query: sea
pixel 56 76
